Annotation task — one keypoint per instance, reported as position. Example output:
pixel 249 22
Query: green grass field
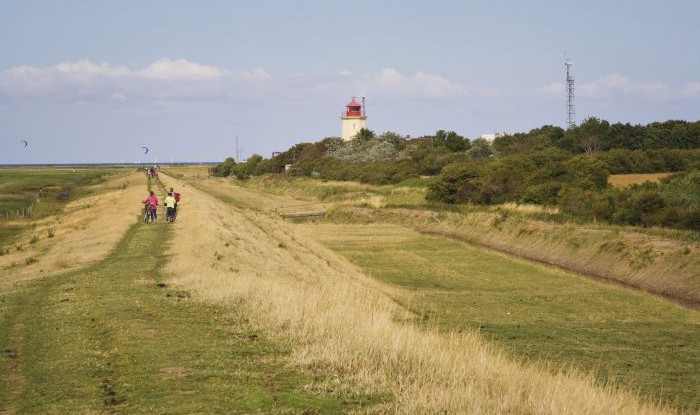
pixel 624 336
pixel 115 338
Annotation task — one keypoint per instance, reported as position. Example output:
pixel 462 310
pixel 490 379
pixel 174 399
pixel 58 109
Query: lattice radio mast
pixel 570 111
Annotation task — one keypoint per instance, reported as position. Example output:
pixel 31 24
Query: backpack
pixel 177 197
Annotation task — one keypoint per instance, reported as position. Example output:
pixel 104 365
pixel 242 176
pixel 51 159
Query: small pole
pixel 237 154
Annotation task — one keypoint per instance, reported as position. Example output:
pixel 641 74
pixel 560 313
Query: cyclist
pixel 169 204
pixel 176 195
pixel 152 202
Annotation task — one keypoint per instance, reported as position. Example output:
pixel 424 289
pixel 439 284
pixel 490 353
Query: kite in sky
pixel 145 149
pixel 25 142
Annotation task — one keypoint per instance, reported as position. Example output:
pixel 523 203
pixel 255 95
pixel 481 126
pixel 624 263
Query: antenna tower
pixel 570 111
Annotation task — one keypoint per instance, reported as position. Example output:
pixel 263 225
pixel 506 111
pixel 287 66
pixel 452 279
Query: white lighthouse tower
pixel 353 119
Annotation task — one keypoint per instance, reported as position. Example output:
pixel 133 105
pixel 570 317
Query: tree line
pixel 547 166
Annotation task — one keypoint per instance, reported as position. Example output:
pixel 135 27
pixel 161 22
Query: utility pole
pixel 238 152
pixel 570 111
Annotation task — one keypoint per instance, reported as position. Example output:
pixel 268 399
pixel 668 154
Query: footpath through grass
pixel 114 338
pixel 624 336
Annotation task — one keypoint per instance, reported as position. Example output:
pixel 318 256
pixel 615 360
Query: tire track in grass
pixel 114 338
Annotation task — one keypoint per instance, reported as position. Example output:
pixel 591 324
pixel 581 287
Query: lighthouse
pixel 353 119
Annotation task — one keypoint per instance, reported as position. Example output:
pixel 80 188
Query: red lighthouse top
pixel 354 109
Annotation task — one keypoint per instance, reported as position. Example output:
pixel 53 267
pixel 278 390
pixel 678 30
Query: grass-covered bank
pixel 84 230
pixel 625 337
pixel 661 263
pixel 657 260
pixel 31 193
pixel 349 325
pixel 115 337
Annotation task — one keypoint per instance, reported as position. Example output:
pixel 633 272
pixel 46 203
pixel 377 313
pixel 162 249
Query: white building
pixel 353 119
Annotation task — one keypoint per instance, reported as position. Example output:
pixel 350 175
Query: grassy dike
pixel 113 338
pixel 557 320
pixel 625 337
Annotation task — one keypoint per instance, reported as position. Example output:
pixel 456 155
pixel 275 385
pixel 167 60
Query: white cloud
pixel 554 88
pixel 168 69
pixel 180 79
pixel 161 79
pixel 85 68
pixel 605 86
pixel 616 85
pixel 422 84
pixel 692 89
pixel 119 97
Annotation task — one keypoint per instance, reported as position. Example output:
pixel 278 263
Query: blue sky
pixel 87 81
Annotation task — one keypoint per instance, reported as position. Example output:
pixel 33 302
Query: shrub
pixel 459 182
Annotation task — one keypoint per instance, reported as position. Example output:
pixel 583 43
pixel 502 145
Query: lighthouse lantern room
pixel 353 119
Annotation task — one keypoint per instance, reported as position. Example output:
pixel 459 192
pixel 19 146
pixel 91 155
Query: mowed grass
pixel 116 338
pixel 626 337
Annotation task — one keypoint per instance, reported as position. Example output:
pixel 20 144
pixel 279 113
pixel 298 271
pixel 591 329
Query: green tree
pixel 459 182
pixel 364 135
pixel 394 138
pixel 586 172
pixel 225 168
pixel 588 136
pixel 480 149
pixel 508 177
pixel 451 141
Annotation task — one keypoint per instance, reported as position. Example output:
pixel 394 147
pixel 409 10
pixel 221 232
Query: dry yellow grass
pixel 340 320
pixel 86 231
pixel 528 208
pixel 248 197
pixel 189 171
pixel 624 180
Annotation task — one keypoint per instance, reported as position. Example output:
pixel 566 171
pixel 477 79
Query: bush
pixel 459 182
pixel 642 208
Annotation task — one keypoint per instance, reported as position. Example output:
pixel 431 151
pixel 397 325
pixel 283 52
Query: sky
pixel 93 81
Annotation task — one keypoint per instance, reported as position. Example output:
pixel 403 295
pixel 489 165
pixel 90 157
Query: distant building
pixel 353 119
pixel 491 137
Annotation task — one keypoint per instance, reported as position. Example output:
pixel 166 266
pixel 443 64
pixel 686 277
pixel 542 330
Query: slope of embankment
pixel 341 323
pixel 657 264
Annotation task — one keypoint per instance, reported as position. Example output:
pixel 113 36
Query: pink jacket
pixel 152 200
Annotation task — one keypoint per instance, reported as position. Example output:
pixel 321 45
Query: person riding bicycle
pixel 169 204
pixel 176 195
pixel 152 201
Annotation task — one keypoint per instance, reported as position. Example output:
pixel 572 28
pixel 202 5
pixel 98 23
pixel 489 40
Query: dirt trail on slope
pixel 85 232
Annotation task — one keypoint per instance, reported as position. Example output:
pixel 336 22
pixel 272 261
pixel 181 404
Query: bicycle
pixel 170 214
pixel 149 213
